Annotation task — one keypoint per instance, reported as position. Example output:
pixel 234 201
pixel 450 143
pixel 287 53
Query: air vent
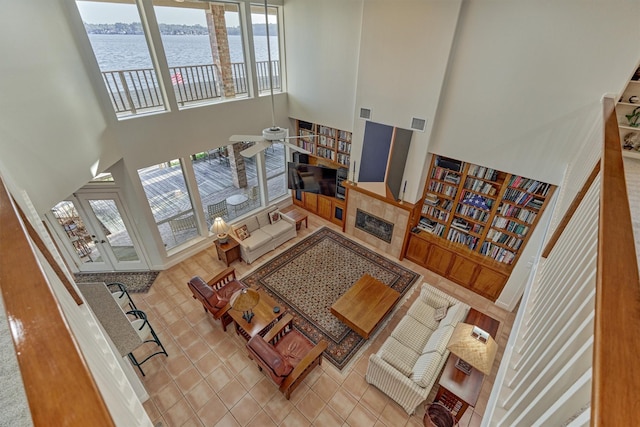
pixel 365 113
pixel 418 124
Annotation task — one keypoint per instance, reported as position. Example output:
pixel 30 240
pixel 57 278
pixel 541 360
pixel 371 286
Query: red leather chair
pixel 215 294
pixel 285 354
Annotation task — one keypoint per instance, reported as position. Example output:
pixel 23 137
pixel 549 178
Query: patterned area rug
pixel 135 281
pixel 309 277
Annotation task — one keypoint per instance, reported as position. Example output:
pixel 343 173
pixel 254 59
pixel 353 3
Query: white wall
pixel 322 41
pixel 404 50
pixel 52 130
pixel 526 79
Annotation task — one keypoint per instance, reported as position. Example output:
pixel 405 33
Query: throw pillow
pixel 440 313
pixel 274 216
pixel 242 232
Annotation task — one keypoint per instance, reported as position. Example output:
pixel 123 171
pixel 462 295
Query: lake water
pixel 124 51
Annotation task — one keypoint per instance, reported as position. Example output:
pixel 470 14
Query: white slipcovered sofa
pixel 410 360
pixel 263 235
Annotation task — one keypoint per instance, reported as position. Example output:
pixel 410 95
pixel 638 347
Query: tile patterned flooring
pixel 208 380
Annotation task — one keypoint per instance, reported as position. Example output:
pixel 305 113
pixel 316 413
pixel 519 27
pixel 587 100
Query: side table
pixel 228 252
pixel 457 390
pixel 298 217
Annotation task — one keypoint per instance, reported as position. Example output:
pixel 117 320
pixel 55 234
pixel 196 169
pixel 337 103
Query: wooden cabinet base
pixel 482 276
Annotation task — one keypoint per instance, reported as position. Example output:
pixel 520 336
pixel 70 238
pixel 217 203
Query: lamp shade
pixel 219 227
pixel 244 299
pixel 474 346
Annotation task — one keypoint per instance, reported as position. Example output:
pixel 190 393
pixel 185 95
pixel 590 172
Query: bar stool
pixel 147 335
pixel 119 293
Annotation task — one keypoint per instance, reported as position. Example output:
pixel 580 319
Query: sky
pixel 108 13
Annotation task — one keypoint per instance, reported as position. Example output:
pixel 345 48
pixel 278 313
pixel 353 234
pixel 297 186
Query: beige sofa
pixel 410 360
pixel 263 236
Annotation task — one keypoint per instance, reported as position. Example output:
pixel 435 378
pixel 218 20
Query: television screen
pixel 312 179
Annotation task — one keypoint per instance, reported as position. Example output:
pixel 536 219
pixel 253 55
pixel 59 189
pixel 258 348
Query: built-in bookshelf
pixel 481 217
pixel 325 142
pixel 628 112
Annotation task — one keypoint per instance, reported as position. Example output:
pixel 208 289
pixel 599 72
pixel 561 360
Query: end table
pixel 457 390
pixel 228 252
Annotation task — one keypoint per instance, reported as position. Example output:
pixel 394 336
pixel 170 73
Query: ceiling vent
pixel 418 124
pixel 365 113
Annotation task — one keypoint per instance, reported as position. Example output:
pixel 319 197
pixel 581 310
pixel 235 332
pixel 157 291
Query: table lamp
pixel 244 300
pixel 221 229
pixel 474 348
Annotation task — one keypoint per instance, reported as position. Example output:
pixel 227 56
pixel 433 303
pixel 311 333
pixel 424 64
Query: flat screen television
pixel 312 179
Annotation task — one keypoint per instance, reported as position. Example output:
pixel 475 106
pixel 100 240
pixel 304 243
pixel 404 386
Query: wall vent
pixel 418 124
pixel 365 113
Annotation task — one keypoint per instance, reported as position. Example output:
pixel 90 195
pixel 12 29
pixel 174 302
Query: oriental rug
pixel 309 277
pixel 135 281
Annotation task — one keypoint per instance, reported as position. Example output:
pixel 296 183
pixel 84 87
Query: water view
pixel 129 51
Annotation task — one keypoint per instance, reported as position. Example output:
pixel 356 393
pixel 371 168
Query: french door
pixel 97 233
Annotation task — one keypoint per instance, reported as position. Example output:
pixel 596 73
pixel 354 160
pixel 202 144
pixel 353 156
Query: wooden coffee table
pixel 364 305
pixel 264 317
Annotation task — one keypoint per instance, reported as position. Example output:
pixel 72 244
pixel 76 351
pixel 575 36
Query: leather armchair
pixel 215 294
pixel 285 354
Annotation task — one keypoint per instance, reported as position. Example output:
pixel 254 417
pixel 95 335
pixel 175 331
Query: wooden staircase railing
pixel 59 387
pixel 616 371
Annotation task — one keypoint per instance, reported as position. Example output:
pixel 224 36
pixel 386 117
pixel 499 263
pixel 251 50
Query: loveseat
pixel 411 358
pixel 262 233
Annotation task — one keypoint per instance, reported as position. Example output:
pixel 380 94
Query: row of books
pixel 442 188
pixel 508 210
pixel 505 239
pixel 326 153
pixel 519 197
pixel 456 236
pixel 498 253
pixel 345 147
pixel 511 226
pixel 473 213
pixel 431 199
pixel 445 175
pixel 343 159
pixel 430 226
pixel 325 130
pixel 326 142
pixel 530 185
pixel 343 134
pixel 482 172
pixel 479 186
pixel 309 146
pixel 435 212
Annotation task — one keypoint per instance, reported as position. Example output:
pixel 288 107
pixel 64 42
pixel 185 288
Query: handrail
pixel 138 89
pixel 616 373
pixel 58 384
pixel 570 211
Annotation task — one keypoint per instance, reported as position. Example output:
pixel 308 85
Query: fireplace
pixel 373 225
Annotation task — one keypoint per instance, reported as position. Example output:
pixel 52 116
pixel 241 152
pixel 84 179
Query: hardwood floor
pixel 207 380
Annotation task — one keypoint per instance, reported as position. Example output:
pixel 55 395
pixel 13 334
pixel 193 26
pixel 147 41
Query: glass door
pixel 96 232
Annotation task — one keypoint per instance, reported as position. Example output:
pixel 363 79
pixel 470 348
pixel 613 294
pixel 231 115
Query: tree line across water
pixel 172 29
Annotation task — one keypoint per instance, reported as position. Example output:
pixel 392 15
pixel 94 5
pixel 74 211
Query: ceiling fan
pixel 274 133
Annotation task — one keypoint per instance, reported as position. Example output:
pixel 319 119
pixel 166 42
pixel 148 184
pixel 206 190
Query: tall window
pixel 120 47
pixel 260 45
pixel 227 182
pixel 276 167
pixel 203 45
pixel 170 203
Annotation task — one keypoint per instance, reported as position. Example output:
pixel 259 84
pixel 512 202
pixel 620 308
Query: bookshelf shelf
pixel 479 214
pixel 627 105
pixel 330 144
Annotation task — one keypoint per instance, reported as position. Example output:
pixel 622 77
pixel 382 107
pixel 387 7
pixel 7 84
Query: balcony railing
pixel 134 91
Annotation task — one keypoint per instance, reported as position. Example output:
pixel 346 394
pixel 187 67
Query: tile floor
pixel 208 380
